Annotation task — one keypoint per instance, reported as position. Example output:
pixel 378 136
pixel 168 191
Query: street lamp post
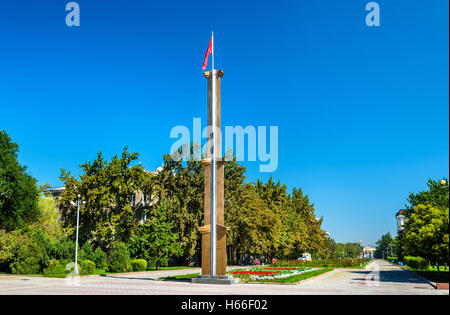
pixel 262 253
pixel 76 235
pixel 362 249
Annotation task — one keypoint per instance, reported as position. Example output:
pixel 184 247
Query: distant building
pixel 400 218
pixel 55 192
pixel 368 252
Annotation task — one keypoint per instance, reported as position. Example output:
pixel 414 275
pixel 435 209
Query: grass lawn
pixel 181 277
pixel 441 268
pixel 299 277
pixel 104 272
pixel 173 268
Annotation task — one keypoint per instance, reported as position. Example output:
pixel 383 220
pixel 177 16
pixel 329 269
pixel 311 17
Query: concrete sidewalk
pixel 379 277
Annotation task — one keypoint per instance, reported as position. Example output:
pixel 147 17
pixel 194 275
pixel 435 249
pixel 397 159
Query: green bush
pixel 87 267
pixel 42 240
pixel 57 269
pixel 119 260
pixel 324 263
pixel 28 256
pixel 151 263
pixel 100 258
pixel 64 249
pixel 7 246
pixel 392 259
pixel 416 262
pixel 139 265
pixel 86 252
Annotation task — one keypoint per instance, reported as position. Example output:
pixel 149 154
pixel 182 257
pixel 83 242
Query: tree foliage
pixel 437 195
pixel 265 220
pixel 155 242
pixel 425 232
pixel 107 189
pixel 18 190
pixel 386 246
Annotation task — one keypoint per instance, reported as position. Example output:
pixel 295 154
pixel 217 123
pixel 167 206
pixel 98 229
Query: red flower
pixel 259 273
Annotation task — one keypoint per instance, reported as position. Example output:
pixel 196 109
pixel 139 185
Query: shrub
pixel 7 245
pixel 86 252
pixel 64 249
pixel 416 262
pixel 27 257
pixel 152 263
pixel 56 269
pixel 87 267
pixel 324 263
pixel 139 264
pixel 393 259
pixel 100 258
pixel 119 260
pixel 41 239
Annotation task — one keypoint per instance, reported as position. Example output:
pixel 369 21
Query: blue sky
pixel 362 112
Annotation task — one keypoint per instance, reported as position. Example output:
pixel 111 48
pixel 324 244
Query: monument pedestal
pixel 215 280
pixel 221 257
pixel 221 252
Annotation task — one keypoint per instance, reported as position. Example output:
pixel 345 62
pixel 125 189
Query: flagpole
pixel 213 168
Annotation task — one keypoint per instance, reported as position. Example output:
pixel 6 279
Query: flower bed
pixel 268 273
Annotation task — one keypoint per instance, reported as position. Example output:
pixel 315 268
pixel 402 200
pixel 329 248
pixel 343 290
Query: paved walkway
pixel 379 277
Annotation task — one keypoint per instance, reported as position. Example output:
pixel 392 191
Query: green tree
pixel 306 227
pixel 256 229
pixel 383 248
pixel 120 260
pixel 49 219
pixel 155 241
pixel 18 190
pixel 330 248
pixel 437 195
pixel 264 219
pixel 108 190
pixel 354 250
pixel 181 185
pixel 426 233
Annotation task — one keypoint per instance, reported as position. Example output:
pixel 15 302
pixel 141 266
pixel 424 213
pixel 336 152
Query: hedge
pixel 120 259
pixel 139 264
pixel 57 269
pixel 87 267
pixel 416 262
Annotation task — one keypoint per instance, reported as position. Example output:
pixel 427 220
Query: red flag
pixel 209 51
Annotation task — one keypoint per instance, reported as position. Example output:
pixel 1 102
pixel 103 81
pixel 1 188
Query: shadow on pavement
pixel 396 276
pixel 124 277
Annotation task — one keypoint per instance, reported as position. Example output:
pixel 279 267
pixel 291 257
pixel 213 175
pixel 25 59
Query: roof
pixel 56 189
pixel 401 212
